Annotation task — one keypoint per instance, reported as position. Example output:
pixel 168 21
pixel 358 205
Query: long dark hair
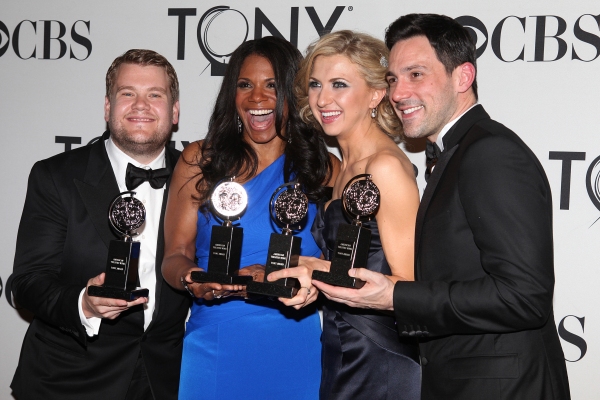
pixel 225 153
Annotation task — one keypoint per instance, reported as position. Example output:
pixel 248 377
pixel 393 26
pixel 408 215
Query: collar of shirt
pixel 119 160
pixel 447 127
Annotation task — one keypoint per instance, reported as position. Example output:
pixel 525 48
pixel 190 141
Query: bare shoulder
pixel 192 152
pixel 335 169
pixel 335 162
pixel 390 162
pixel 187 169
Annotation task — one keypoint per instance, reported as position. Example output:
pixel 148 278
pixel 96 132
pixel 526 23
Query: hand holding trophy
pixel 360 201
pixel 288 206
pixel 228 201
pixel 126 214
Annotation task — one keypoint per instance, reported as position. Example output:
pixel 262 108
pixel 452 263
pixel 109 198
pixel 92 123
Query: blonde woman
pixel 341 89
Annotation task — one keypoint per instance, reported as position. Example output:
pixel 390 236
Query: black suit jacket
pixel 62 242
pixel 482 303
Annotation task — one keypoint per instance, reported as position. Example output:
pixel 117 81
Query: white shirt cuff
pixel 91 325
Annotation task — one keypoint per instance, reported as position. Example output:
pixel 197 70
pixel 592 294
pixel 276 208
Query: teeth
pixel 260 112
pixel 331 113
pixel 410 110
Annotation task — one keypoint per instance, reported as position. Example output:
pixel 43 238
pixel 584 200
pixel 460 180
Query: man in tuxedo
pixel 84 347
pixel 481 305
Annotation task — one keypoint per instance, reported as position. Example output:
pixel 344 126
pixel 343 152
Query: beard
pixel 436 114
pixel 139 143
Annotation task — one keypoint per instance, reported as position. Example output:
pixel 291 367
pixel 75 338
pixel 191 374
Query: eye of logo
pixel 220 31
pixel 592 182
pixel 4 38
pixel 477 30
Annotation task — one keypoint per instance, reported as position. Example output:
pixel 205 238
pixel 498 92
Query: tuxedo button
pixel 424 361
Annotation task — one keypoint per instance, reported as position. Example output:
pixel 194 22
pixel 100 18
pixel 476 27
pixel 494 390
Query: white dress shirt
pixel 148 233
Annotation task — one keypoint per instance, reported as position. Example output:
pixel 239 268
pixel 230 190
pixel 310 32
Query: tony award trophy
pixel 360 200
pixel 228 201
pixel 289 206
pixel 126 214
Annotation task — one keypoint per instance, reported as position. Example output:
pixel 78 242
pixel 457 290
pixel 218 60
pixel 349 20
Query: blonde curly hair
pixel 369 54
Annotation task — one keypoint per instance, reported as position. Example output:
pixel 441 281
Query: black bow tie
pixel 135 176
pixel 432 152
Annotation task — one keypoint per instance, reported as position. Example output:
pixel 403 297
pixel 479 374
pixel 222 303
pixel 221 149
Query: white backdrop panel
pixel 547 95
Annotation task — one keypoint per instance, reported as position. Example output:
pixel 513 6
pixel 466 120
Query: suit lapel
pixel 98 189
pixel 462 126
pixel 451 143
pixel 432 183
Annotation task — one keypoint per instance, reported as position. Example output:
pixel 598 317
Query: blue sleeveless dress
pixel 363 355
pixel 237 349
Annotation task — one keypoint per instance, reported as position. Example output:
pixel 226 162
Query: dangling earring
pixel 289 133
pixel 239 123
pixel 373 113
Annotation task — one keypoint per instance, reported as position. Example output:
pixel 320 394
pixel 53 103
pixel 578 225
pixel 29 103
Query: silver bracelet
pixel 185 285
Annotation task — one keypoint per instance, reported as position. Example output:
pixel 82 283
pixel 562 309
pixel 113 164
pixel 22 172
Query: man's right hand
pixel 377 293
pixel 102 307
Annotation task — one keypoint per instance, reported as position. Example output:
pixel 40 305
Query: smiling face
pixel 255 100
pixel 339 96
pixel 422 93
pixel 140 112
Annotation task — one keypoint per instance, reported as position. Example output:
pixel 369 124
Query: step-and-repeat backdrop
pixel 538 74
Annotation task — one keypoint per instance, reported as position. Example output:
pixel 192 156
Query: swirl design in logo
pixel 229 200
pixel 592 183
pixel 291 206
pixel 127 214
pixel 361 197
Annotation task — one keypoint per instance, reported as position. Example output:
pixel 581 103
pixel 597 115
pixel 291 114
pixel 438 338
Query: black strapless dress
pixel 362 357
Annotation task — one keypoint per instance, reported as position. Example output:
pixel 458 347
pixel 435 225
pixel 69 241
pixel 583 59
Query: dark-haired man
pixel 84 347
pixel 481 305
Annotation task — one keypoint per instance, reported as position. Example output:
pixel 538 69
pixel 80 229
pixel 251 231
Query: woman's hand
pixel 256 271
pixel 303 272
pixel 212 290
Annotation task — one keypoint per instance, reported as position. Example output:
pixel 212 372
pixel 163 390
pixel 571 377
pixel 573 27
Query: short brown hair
pixel 370 56
pixel 143 58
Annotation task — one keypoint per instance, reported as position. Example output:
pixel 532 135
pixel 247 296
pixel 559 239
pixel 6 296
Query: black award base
pixel 284 251
pixel 273 289
pixel 223 279
pixel 121 273
pixel 337 280
pixel 116 293
pixel 351 251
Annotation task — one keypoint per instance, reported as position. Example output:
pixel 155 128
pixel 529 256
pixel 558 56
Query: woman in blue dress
pixel 342 89
pixel 235 348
